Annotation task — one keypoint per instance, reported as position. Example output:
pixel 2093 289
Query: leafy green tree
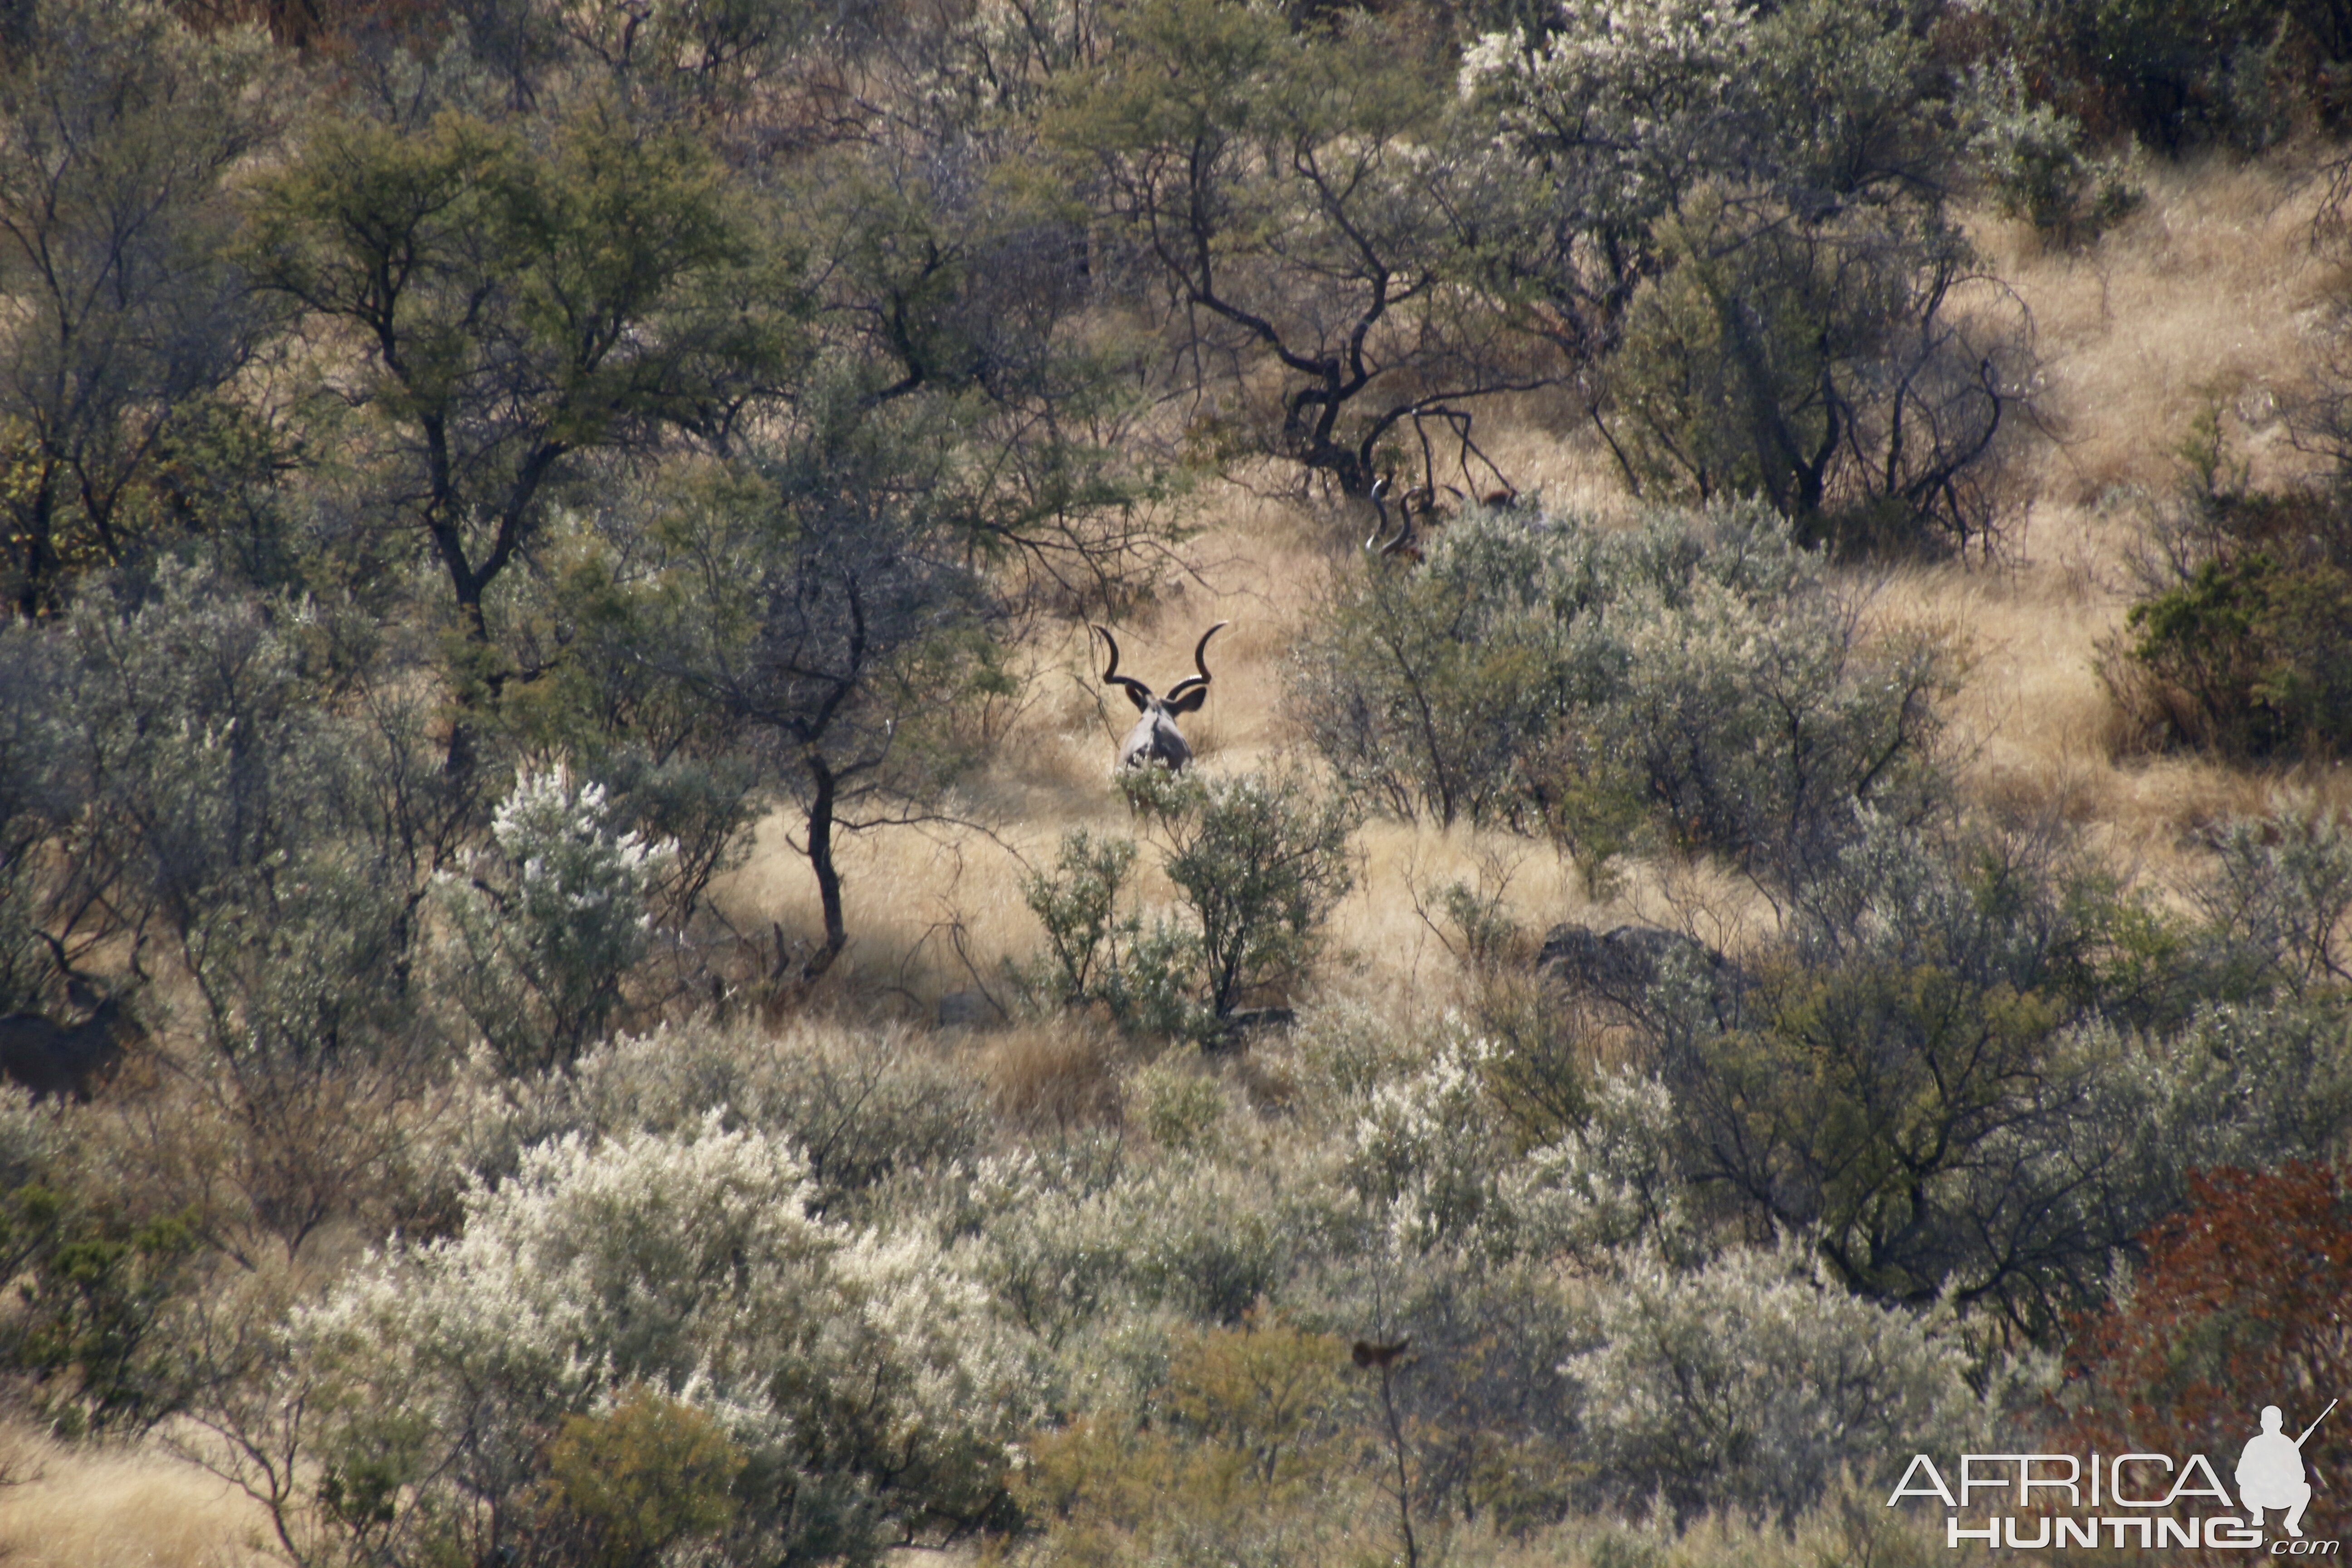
pixel 119 128
pixel 832 616
pixel 2177 74
pixel 1919 1077
pixel 513 301
pixel 1828 367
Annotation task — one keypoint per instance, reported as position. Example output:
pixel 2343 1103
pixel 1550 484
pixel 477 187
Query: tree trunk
pixel 828 876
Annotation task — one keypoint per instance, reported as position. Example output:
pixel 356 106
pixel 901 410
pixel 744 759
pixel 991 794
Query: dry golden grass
pixel 2210 291
pixel 1054 1077
pixel 94 1508
pixel 2211 294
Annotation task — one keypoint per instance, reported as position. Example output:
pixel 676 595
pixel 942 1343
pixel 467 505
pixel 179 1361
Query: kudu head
pixel 1154 737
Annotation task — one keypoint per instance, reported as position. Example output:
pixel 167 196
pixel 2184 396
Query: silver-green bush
pixel 1701 674
pixel 860 1376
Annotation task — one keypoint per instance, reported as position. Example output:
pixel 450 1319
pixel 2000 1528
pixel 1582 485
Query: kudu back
pixel 1155 738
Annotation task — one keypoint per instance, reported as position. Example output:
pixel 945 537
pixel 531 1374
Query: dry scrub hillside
pixel 2207 293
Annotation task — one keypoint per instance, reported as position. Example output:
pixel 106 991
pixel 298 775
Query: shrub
pixel 2248 657
pixel 238 798
pixel 1895 1078
pixel 1431 691
pixel 551 922
pixel 1098 954
pixel 92 1329
pixel 1072 1241
pixel 2034 158
pixel 1079 905
pixel 1614 1186
pixel 1259 862
pixel 1918 1076
pixel 1748 1385
pixel 1839 368
pixel 864 1107
pixel 2276 907
pixel 857 1375
pixel 1248 1458
pixel 2244 642
pixel 2239 1304
pixel 637 1481
pixel 1756 199
pixel 2180 73
pixel 1424 1155
pixel 1702 673
pixel 2249 1085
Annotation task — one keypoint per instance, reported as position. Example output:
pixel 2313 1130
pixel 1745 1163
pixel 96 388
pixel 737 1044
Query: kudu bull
pixel 1154 737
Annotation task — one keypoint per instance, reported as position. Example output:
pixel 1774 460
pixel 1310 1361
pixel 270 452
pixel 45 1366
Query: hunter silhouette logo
pixel 2063 1500
pixel 2269 1472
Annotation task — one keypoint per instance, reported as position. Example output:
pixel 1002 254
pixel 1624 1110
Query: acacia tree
pixel 821 601
pixel 118 127
pixel 513 301
pixel 1333 247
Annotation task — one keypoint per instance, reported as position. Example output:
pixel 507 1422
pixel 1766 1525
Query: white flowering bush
pixel 1066 1240
pixel 1609 1188
pixel 2276 906
pixel 866 1106
pixel 1423 1153
pixel 1748 1385
pixel 1630 103
pixel 1757 715
pixel 550 923
pixel 859 1376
